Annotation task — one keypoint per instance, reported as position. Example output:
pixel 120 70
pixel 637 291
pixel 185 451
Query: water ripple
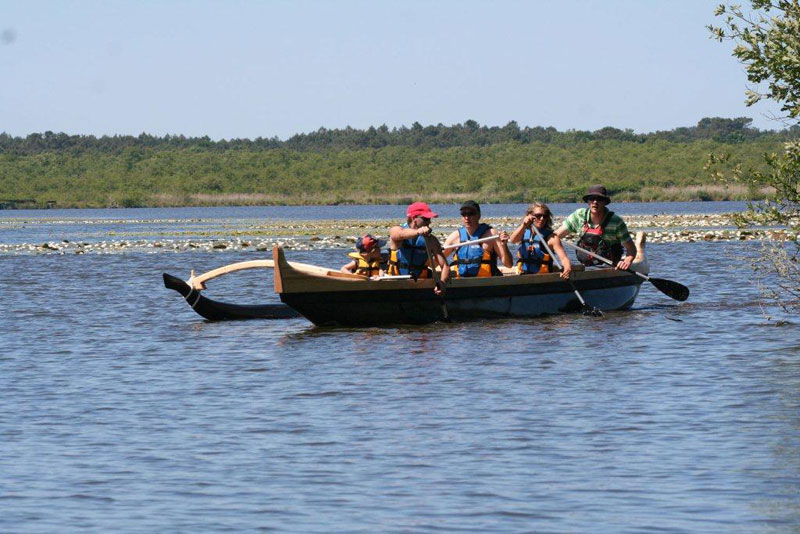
pixel 124 411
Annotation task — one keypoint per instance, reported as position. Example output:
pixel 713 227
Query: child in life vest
pixel 368 260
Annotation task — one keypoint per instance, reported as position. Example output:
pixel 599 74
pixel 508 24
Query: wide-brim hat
pixel 597 191
pixel 420 209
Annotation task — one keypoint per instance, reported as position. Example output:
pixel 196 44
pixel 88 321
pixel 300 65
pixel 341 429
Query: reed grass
pixel 693 193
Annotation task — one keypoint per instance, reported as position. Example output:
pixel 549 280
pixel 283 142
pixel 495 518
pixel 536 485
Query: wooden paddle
pixel 473 242
pixel 587 310
pixel 668 287
pixel 436 279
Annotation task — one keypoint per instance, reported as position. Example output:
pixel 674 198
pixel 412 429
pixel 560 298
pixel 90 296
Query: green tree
pixel 767 43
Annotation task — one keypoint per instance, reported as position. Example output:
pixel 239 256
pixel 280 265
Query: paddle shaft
pixel 435 273
pixel 558 263
pixel 605 260
pixel 473 242
pixel 670 288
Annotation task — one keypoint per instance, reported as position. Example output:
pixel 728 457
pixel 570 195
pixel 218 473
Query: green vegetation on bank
pixel 437 163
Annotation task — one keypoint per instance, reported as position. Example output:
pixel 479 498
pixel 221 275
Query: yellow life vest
pixel 365 267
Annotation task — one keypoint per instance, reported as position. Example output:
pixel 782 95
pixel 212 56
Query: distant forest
pixel 377 165
pixel 470 133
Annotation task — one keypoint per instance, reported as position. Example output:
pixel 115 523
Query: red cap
pixel 420 209
pixel 367 242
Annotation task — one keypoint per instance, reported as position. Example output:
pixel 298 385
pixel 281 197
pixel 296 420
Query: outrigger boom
pixel 199 282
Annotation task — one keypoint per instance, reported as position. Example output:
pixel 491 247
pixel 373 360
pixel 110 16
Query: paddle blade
pixel 671 289
pixel 591 311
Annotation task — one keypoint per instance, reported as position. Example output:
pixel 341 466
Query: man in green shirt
pixel 600 230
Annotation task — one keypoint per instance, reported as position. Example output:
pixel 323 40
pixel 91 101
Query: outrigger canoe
pixel 329 297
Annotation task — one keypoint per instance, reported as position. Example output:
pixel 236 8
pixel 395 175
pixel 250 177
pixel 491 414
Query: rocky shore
pixel 262 235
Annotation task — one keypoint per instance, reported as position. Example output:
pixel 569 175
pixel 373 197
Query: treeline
pixel 469 134
pixel 510 171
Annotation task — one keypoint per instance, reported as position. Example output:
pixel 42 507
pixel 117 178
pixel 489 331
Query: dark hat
pixel 366 243
pixel 597 191
pixel 420 209
pixel 471 205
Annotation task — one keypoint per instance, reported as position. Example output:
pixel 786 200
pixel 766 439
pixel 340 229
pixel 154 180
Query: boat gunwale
pixel 301 278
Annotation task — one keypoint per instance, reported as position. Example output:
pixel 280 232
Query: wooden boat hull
pixel 356 301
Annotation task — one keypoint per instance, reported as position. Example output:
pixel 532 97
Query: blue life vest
pixel 411 258
pixel 474 260
pixel 532 256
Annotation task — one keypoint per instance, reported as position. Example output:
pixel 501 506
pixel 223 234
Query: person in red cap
pixel 600 230
pixel 367 260
pixel 408 254
pixel 479 259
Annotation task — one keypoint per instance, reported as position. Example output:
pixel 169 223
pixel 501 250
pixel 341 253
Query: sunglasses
pixel 595 199
pixel 539 215
pixel 468 214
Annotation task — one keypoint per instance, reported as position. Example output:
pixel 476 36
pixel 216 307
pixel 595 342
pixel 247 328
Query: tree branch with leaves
pixel 767 42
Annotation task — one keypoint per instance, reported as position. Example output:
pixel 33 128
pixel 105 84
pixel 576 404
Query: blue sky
pixel 231 69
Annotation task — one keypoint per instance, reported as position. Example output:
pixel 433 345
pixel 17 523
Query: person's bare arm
pixel 445 276
pixel 630 255
pixel 519 232
pixel 562 232
pixel 558 249
pixel 440 260
pixel 501 247
pixel 398 234
pixel 452 239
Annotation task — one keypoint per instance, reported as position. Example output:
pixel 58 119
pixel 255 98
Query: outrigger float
pixel 330 297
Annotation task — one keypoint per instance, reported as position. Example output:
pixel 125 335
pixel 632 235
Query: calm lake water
pixel 121 410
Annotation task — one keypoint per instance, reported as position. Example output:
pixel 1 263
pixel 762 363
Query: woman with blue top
pixel 532 257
